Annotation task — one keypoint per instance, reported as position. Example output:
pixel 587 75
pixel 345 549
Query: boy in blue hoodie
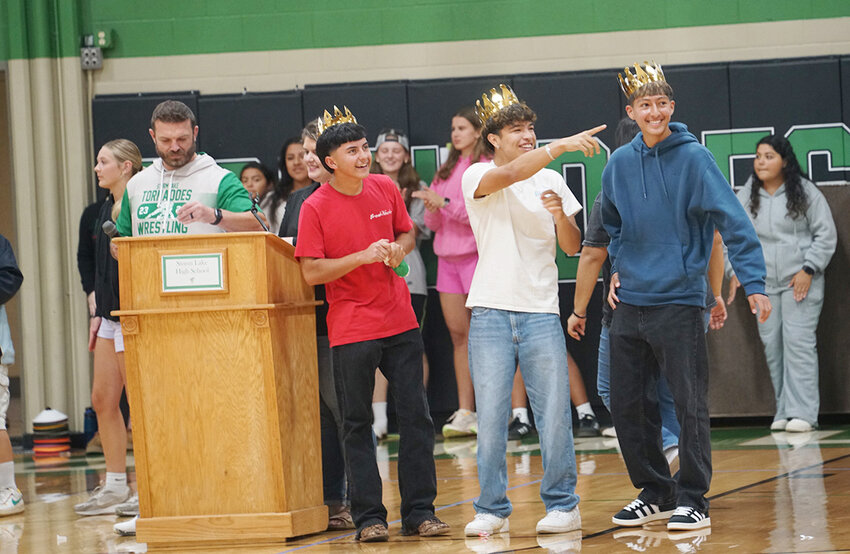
pixel 662 197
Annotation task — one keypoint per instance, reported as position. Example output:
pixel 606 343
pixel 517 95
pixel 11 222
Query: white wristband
pixel 548 151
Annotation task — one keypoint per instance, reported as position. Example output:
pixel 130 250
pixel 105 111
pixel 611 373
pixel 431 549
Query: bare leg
pixel 379 394
pixel 578 394
pixel 5 447
pixel 426 371
pixel 456 316
pixel 518 396
pixel 105 397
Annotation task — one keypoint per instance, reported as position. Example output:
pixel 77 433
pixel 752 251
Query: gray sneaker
pixel 102 501
pixel 129 508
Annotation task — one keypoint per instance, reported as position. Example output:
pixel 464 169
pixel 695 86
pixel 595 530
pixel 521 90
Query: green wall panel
pixel 36 28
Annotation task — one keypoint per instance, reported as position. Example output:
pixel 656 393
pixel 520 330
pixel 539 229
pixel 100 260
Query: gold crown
pixel 650 72
pixel 327 120
pixel 496 102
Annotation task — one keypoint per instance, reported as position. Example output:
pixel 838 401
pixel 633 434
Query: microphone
pixel 110 229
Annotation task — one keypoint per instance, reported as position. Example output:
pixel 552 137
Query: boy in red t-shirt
pixel 352 232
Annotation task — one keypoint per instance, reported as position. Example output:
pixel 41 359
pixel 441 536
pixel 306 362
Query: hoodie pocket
pixel 652 267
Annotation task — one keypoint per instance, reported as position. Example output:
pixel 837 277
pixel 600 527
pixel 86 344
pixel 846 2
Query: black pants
pixel 670 340
pixel 400 360
pixel 333 462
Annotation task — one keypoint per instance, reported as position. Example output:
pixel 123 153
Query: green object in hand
pixel 402 269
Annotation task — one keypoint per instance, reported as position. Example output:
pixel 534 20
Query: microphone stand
pixel 254 204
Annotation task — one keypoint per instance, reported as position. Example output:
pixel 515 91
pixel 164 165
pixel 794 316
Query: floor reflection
pixel 800 510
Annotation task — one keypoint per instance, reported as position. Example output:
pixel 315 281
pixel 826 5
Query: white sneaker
pixel 11 501
pixel 462 423
pixel 796 425
pixel 126 528
pixel 129 508
pixel 778 425
pixel 380 429
pixel 558 521
pixel 486 524
pixel 609 432
pixel 102 501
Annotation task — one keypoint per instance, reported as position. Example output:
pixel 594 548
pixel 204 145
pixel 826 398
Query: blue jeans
pixel 498 341
pixel 669 424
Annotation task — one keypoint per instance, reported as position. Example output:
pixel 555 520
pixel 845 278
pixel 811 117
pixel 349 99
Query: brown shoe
pixel 340 519
pixel 429 528
pixel 374 533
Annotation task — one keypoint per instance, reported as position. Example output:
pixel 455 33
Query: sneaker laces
pixel 684 511
pixel 634 504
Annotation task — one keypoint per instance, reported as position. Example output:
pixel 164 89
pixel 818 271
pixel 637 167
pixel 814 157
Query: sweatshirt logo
pixel 157 213
pixel 382 213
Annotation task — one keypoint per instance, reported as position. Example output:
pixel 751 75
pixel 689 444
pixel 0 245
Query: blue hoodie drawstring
pixel 660 172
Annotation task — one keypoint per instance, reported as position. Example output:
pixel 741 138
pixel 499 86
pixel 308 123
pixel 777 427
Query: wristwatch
pixel 808 270
pixel 217 216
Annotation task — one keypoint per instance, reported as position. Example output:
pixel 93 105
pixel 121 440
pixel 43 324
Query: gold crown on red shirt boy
pixel 497 101
pixel 650 72
pixel 327 120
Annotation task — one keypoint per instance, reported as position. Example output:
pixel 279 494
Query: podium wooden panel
pixel 223 390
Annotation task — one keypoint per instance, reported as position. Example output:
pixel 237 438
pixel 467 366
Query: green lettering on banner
pixel 590 187
pixel 832 139
pixel 728 145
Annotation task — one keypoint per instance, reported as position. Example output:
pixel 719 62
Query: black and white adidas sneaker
pixel 685 518
pixel 638 512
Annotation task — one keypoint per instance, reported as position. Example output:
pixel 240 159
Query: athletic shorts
pixel 454 276
pixel 111 330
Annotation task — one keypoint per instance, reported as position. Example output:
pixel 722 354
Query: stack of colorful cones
pixel 51 439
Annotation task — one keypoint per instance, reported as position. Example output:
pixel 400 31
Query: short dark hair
pixel 652 88
pixel 335 137
pixel 504 117
pixel 627 128
pixel 173 111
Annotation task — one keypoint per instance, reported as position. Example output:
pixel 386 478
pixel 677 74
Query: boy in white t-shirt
pixel 519 211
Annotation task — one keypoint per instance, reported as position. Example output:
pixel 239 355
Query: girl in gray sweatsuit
pixel 797 233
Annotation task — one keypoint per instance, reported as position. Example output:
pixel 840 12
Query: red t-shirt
pixel 370 302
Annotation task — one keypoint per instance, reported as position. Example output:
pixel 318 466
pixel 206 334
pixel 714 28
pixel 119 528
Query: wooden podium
pixel 223 387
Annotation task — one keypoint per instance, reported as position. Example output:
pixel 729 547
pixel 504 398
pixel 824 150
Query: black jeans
pixel 670 340
pixel 330 418
pixel 400 360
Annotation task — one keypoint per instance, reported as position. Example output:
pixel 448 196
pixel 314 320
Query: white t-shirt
pixel 516 241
